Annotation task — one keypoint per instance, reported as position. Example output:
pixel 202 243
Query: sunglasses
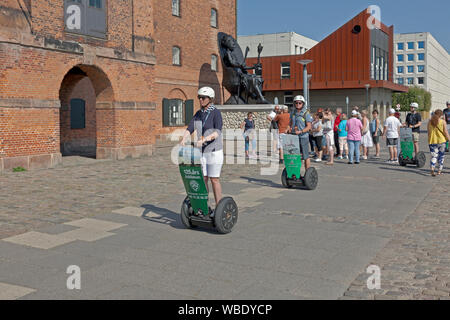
pixel 298 102
pixel 202 97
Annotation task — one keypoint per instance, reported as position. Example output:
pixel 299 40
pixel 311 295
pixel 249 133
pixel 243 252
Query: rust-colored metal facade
pixel 340 61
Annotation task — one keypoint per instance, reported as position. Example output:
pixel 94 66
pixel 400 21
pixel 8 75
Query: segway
pixel 291 175
pixel 407 150
pixel 195 211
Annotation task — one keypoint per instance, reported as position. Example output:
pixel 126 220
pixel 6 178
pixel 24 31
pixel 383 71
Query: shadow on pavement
pixel 262 182
pixel 422 172
pixel 168 217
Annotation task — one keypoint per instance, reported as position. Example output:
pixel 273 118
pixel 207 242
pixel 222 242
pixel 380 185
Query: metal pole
pixel 305 84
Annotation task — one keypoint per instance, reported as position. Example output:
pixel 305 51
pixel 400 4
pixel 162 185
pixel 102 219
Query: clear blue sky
pixel 316 19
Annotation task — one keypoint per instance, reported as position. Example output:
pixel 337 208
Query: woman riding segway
pixel 207 122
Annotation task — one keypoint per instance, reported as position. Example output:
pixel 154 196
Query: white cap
pixel 392 111
pixel 414 105
pixel 206 92
pixel 355 113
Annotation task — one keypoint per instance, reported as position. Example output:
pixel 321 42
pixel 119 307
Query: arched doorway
pixel 86 104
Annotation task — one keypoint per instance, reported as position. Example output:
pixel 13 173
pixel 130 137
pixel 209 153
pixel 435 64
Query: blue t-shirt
pixel 249 124
pixel 300 120
pixel 342 129
pixel 205 122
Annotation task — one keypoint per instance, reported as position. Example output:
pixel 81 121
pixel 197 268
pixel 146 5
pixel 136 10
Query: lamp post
pixel 305 62
pixel 367 95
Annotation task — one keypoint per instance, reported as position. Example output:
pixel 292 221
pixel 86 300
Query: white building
pixel 276 44
pixel 420 60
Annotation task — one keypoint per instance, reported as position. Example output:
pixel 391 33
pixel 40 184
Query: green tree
pixel 414 94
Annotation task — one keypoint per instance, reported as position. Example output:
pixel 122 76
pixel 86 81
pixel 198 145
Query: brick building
pixel 103 78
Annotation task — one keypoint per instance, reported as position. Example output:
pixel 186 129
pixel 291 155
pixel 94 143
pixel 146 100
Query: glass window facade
pixel 411 45
pixel 400 58
pixel 421 44
pixel 400 46
pixel 410 57
pixel 421 56
pixel 400 69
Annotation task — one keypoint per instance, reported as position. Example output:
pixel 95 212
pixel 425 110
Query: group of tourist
pixel 334 135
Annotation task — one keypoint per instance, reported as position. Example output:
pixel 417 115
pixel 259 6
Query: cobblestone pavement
pixel 298 244
pixel 415 264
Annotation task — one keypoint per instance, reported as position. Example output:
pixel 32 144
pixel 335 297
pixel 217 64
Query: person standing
pixel 366 139
pixel 354 128
pixel 274 127
pixel 392 132
pixel 317 133
pixel 414 121
pixel 301 122
pixel 337 120
pixel 447 120
pixel 207 122
pixel 283 119
pixel 342 131
pixel 375 131
pixel 248 125
pixel 329 134
pixel 437 137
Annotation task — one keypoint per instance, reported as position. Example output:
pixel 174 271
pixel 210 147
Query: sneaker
pixel 395 161
pixel 350 162
pixel 318 160
pixel 340 158
pixel 346 157
pixel 364 157
pixel 357 162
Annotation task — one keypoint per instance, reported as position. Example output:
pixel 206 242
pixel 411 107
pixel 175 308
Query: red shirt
pixel 336 122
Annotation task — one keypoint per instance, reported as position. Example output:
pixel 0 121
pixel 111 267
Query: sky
pixel 317 19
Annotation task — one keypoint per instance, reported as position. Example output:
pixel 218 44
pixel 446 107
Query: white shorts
pixel 212 163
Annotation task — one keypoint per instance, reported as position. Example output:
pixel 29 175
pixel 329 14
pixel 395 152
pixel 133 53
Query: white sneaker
pixel 318 160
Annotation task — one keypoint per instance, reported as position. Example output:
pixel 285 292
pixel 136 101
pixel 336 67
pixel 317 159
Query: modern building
pixel 103 78
pixel 420 60
pixel 354 61
pixel 276 44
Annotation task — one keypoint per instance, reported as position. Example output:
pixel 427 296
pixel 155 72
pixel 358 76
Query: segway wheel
pixel 401 161
pixel 226 215
pixel 311 179
pixel 421 160
pixel 284 179
pixel 186 211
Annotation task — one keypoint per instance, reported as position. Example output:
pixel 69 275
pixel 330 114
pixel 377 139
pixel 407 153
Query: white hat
pixel 414 105
pixel 354 113
pixel 392 111
pixel 206 92
pixel 300 98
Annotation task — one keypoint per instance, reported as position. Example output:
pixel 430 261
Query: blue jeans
pixel 247 144
pixel 353 148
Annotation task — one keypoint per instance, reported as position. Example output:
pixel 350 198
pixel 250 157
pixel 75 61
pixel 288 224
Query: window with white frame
pixel 176 53
pixel 285 70
pixel 289 99
pixel 213 18
pixel 176 8
pixel 213 62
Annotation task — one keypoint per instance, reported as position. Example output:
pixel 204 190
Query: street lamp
pixel 367 95
pixel 305 62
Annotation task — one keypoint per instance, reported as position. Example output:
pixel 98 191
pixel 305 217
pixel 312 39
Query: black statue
pixel 236 78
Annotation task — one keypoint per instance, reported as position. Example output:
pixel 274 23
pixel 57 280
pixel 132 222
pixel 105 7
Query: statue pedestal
pixel 234 115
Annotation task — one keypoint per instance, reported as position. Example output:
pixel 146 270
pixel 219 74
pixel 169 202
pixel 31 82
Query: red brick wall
pixel 198 41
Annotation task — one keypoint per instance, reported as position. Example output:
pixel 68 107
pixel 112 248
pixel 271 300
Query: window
pixel 411 45
pixel 410 80
pixel 176 56
pixel 421 57
pixel 95 4
pixel 85 17
pixel 421 44
pixel 410 69
pixel 285 70
pixel 400 46
pixel 421 68
pixel 401 81
pixel 420 80
pixel 400 58
pixel 400 69
pixel 379 59
pixel 177 112
pixel 176 8
pixel 289 99
pixel 213 62
pixel 214 18
pixel 410 57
